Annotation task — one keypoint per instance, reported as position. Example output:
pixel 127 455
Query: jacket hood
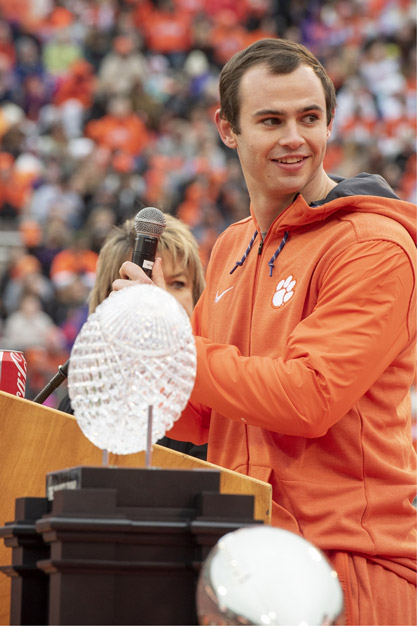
pixel 368 193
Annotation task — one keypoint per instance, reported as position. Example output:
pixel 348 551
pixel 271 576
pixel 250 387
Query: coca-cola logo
pixel 17 357
pixel 21 366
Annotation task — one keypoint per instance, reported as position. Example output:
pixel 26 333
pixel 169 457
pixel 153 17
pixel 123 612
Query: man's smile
pixel 290 160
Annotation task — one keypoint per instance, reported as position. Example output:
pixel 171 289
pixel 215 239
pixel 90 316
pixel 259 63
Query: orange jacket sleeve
pixel 193 425
pixel 364 317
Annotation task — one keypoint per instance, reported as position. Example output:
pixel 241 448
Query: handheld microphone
pixel 149 226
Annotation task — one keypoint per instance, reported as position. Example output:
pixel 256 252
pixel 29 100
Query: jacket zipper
pixel 261 245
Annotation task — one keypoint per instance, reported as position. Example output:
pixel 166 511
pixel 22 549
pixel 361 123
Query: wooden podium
pixel 36 440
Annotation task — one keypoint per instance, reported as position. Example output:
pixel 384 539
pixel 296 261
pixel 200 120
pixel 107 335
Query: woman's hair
pixel 116 250
pixel 280 56
pixel 176 239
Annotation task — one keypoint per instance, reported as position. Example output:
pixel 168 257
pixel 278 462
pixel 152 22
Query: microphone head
pixel 150 221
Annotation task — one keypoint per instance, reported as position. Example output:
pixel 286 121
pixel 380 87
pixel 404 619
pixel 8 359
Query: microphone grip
pixel 53 384
pixel 144 252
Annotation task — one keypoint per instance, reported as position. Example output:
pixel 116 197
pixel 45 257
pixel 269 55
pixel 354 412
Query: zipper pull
pixel 261 245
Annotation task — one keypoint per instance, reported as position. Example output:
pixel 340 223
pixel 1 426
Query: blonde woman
pixel 183 271
pixel 184 279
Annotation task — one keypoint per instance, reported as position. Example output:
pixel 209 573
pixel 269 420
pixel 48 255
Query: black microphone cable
pixel 53 384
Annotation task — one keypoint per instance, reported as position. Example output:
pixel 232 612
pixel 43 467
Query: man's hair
pixel 280 56
pixel 176 239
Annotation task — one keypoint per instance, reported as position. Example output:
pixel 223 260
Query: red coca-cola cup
pixel 13 372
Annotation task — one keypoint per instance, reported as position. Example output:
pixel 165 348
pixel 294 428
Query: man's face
pixel 283 136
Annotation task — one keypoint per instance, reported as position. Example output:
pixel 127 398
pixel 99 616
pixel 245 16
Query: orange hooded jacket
pixel 305 358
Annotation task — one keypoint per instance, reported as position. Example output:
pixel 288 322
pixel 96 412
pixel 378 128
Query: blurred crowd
pixel 106 106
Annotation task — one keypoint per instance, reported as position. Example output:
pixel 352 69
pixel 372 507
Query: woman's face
pixel 178 282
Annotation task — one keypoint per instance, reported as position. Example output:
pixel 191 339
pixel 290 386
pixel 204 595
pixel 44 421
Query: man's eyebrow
pixel 305 109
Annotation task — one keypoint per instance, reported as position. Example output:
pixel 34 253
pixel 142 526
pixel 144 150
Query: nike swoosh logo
pixel 219 296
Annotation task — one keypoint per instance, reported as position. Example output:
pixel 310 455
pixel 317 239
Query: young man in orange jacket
pixel 305 334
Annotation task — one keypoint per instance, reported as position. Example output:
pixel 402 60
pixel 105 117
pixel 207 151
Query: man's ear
pixel 329 128
pixel 225 131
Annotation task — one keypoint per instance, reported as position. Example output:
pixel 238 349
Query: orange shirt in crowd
pixel 128 134
pixel 72 262
pixel 23 12
pixel 167 32
pixel 214 8
pixel 77 85
pixel 227 37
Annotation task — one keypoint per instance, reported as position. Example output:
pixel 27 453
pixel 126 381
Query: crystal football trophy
pixel 269 576
pixel 132 369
